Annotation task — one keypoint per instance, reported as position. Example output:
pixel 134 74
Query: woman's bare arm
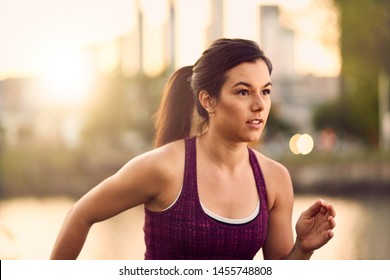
pixel 314 226
pixel 138 182
pixel 280 205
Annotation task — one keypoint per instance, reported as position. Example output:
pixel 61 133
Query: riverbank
pixel 342 178
pixel 359 173
pixel 53 172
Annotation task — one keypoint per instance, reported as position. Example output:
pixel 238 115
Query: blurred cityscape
pixel 65 130
pixel 97 108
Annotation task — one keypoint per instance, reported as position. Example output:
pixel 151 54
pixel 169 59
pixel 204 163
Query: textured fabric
pixel 185 231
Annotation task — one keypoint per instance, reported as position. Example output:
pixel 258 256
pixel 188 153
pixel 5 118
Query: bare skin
pixel 155 178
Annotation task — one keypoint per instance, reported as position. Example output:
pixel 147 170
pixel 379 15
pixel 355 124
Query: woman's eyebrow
pixel 241 83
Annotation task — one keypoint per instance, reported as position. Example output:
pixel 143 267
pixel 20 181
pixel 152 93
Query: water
pixel 29 226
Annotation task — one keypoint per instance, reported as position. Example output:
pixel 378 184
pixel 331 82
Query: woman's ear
pixel 207 101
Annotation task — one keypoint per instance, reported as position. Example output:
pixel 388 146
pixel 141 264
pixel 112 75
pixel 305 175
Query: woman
pixel 207 195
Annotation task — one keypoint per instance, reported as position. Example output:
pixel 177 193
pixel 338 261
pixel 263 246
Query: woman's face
pixel 242 110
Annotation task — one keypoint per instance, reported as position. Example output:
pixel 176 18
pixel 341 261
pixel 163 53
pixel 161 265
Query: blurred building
pixel 295 96
pixel 215 28
pixel 27 120
pixel 17 111
pixel 22 118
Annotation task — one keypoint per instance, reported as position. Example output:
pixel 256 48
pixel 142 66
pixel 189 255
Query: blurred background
pixel 81 80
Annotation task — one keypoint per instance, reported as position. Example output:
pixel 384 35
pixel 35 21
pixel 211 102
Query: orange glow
pixel 66 78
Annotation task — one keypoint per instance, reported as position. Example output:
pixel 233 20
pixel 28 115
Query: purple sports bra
pixel 184 231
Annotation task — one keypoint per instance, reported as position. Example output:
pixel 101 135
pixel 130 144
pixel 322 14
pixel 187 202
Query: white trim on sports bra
pixel 220 218
pixel 233 221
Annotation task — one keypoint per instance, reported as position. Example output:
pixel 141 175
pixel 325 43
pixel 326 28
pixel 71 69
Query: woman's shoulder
pixel 277 179
pixel 156 173
pixel 165 173
pixel 269 165
pixel 162 160
pixel 169 153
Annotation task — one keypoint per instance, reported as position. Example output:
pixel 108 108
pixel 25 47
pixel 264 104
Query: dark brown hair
pixel 173 120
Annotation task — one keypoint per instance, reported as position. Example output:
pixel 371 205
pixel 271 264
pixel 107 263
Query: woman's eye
pixel 266 92
pixel 243 92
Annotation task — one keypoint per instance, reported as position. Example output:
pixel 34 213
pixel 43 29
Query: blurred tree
pixel 365 51
pixel 277 124
pixel 106 115
pixel 121 112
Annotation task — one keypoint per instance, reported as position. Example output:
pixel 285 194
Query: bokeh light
pixel 293 144
pixel 305 144
pixel 301 144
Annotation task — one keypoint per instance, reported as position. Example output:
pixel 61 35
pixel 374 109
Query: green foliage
pixel 276 124
pixel 365 51
pixel 47 171
pixel 123 106
pixel 329 115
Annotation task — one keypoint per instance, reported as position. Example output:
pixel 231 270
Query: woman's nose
pixel 257 103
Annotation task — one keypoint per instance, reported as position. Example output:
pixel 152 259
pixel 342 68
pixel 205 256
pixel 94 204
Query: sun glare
pixel 67 78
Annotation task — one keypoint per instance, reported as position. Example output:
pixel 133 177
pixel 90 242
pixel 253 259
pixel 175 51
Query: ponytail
pixel 174 117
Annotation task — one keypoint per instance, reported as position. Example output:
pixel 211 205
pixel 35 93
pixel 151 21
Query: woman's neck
pixel 222 151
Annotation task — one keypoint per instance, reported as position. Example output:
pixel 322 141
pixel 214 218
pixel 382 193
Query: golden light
pixel 305 144
pixel 155 15
pixel 301 144
pixel 67 78
pixel 296 5
pixel 191 33
pixel 326 58
pixel 293 144
pixel 108 57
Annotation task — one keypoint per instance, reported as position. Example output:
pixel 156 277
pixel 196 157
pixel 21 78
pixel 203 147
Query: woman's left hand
pixel 314 226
